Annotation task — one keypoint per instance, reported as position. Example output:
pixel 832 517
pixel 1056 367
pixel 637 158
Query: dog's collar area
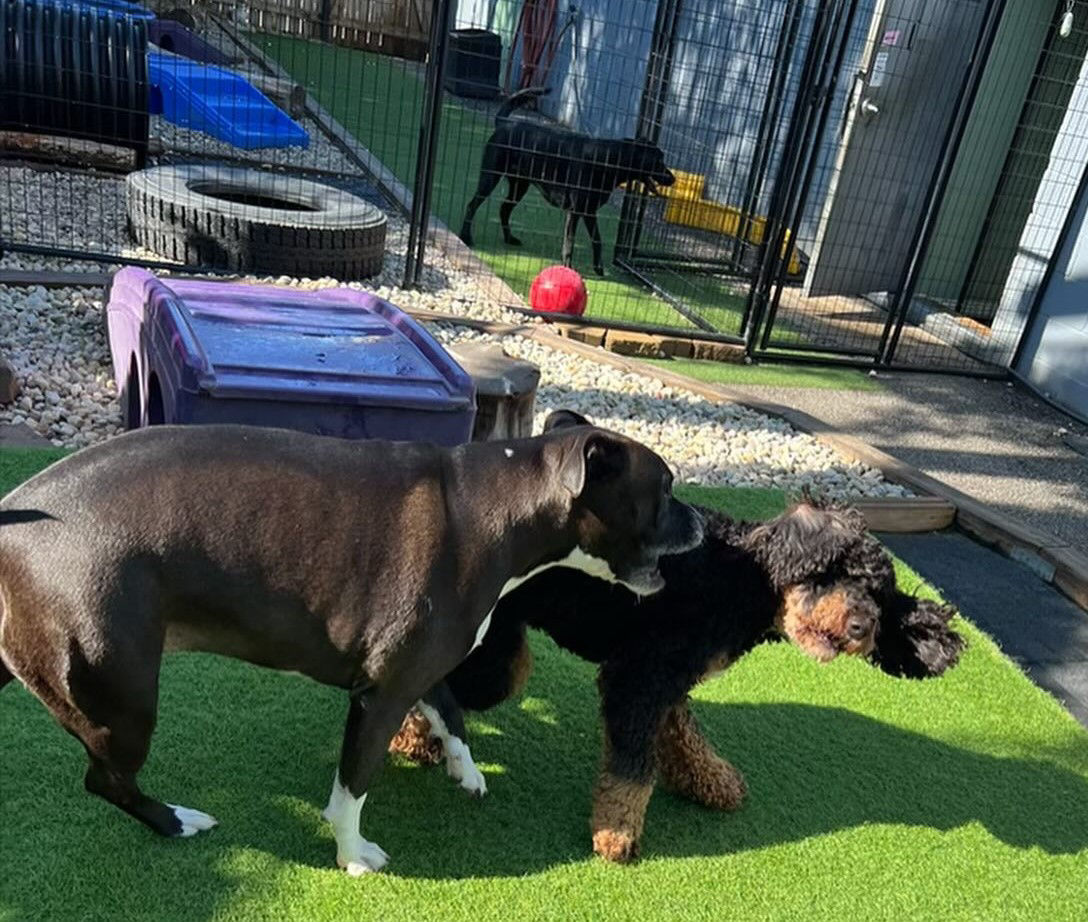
pixel 577 559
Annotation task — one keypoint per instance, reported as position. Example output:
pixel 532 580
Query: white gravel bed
pixel 55 340
pixel 706 443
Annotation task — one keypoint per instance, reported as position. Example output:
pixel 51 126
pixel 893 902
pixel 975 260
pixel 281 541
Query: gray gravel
pixel 993 440
pixel 706 443
pixel 54 339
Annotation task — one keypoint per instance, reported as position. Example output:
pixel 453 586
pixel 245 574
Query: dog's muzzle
pixel 684 532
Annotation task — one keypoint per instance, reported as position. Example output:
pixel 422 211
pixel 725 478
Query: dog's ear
pixel 914 639
pixel 803 542
pixel 594 455
pixel 559 419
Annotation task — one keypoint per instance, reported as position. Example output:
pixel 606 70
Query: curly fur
pixel 414 741
pixel 619 812
pixel 689 767
pixel 813 575
pixel 915 640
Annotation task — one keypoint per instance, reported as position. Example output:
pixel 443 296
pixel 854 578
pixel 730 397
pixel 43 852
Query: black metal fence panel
pixel 880 183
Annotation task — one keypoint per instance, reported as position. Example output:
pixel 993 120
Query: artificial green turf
pixel 17 464
pixel 815 376
pixel 870 797
pixel 379 100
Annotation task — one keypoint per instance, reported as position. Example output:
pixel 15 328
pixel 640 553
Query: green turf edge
pixel 18 464
pixel 771 375
pixel 870 797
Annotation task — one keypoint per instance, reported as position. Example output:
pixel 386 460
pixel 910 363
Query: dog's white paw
pixel 192 821
pixel 472 780
pixel 365 858
pixel 461 768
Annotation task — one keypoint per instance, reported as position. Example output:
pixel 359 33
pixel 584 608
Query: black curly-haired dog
pixel 813 575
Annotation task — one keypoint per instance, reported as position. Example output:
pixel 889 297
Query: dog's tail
pixel 519 99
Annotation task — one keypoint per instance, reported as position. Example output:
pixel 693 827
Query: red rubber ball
pixel 558 290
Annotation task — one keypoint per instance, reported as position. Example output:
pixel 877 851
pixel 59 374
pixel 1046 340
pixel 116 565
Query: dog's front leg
pixel 448 724
pixel 689 766
pixel 570 225
pixel 372 720
pixel 632 714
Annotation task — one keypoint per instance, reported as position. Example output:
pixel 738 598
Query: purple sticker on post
pixel 891 37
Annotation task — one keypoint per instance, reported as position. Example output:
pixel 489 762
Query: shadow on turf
pixel 258 749
pixel 811 771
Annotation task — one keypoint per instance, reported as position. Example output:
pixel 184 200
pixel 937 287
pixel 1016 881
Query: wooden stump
pixel 505 391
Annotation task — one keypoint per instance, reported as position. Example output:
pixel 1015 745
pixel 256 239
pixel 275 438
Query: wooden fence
pixel 400 28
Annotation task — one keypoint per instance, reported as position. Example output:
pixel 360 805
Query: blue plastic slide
pixel 219 103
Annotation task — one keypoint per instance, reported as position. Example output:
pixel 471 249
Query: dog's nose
pixel 858 628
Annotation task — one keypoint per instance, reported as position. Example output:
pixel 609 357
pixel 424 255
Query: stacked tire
pixel 252 221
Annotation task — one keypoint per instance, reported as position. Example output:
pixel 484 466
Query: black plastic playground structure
pixel 75 71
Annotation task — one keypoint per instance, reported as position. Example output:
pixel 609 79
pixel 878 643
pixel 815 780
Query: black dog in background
pixel 574 172
pixel 814 575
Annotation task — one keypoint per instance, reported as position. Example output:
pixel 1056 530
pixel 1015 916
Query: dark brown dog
pixel 365 565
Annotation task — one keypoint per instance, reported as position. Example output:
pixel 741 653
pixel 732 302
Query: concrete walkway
pixel 1034 624
pixel 1005 447
pixel 994 441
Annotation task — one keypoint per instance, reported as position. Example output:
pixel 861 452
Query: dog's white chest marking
pixel 509 452
pixel 576 560
pixel 459 764
pixel 353 853
pixel 481 630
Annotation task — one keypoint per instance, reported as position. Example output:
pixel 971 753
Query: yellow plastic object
pixel 688 186
pixel 685 205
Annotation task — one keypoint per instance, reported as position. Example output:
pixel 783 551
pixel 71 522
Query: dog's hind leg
pixel 689 766
pixel 109 705
pixel 515 192
pixel 570 225
pixel 590 221
pixel 488 180
pixel 448 724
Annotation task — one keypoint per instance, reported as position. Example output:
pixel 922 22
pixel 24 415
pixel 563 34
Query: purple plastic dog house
pixel 332 362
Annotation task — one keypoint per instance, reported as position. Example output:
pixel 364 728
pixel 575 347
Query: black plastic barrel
pixel 473 60
pixel 75 70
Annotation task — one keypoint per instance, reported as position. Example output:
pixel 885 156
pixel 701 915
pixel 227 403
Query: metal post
pixel 651 110
pixel 807 96
pixel 324 20
pixel 428 142
pixel 923 233
pixel 795 209
pixel 768 122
